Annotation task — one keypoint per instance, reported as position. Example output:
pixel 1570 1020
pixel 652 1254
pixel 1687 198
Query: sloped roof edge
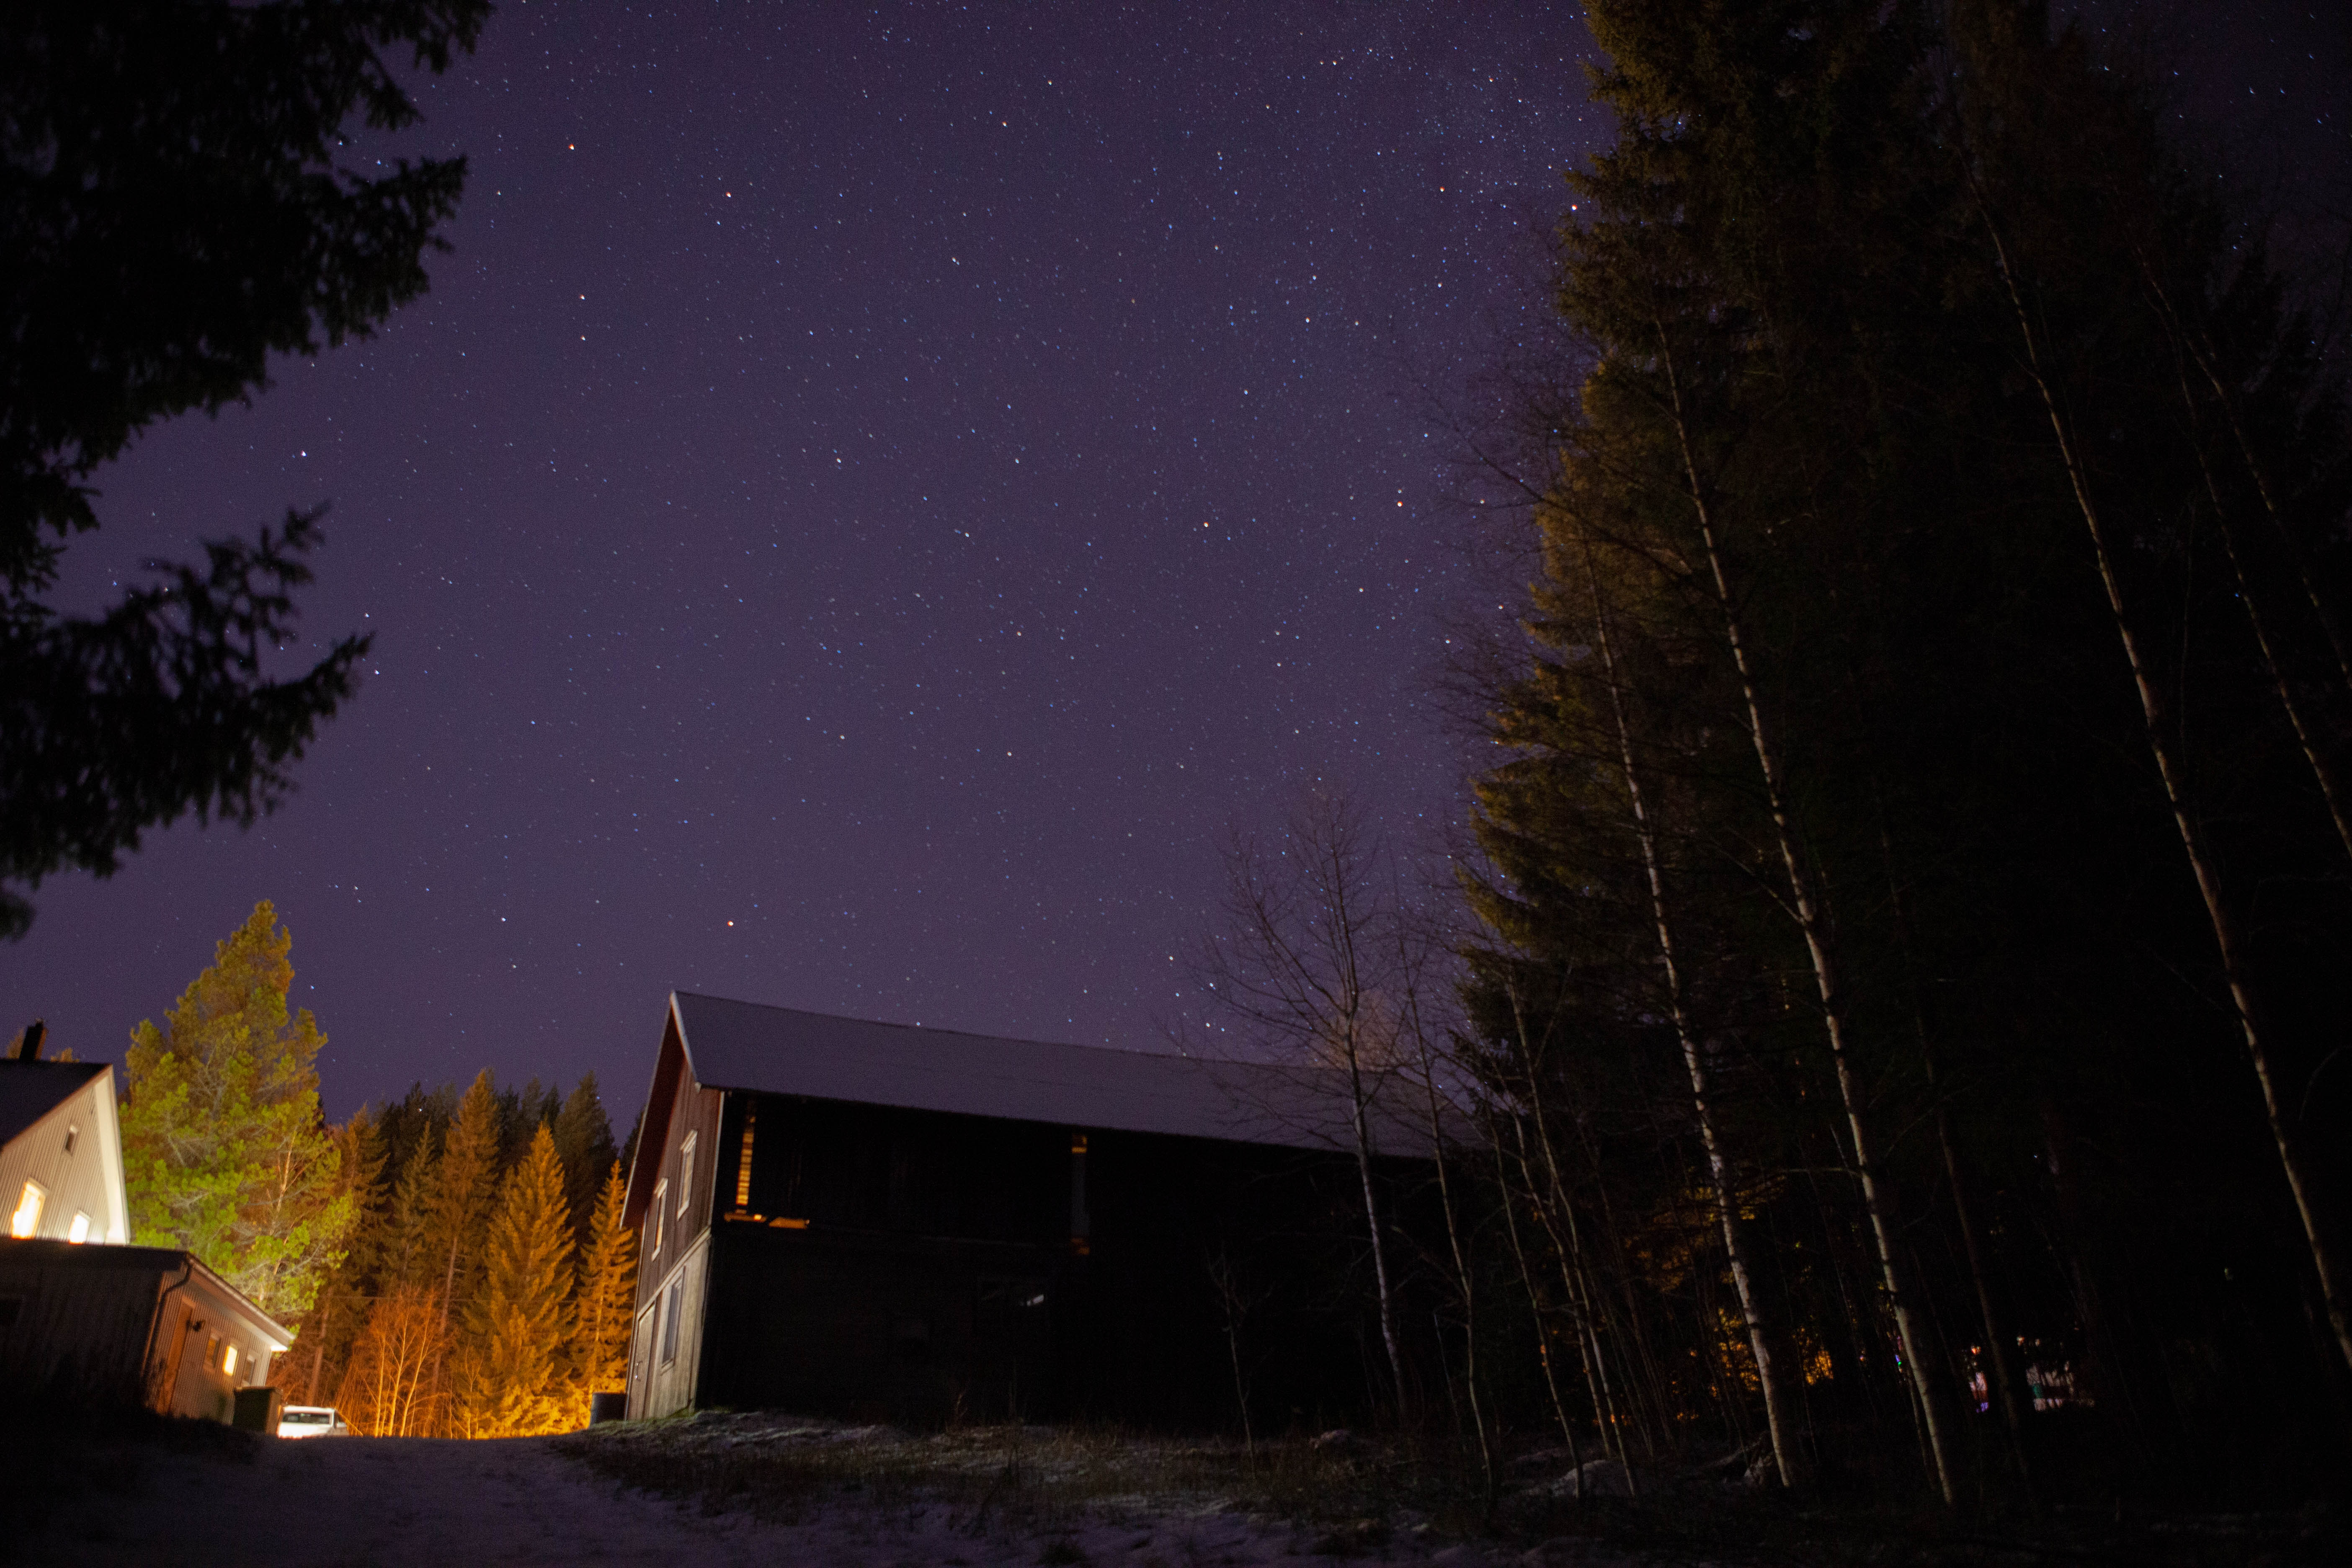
pixel 743 1046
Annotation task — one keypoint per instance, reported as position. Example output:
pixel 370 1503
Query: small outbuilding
pixel 126 1326
pixel 886 1222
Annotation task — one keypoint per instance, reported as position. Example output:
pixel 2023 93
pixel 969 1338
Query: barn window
pixel 743 1160
pixel 685 1173
pixel 27 1220
pixel 670 1327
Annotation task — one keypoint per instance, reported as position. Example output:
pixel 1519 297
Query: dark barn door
pixel 1012 1347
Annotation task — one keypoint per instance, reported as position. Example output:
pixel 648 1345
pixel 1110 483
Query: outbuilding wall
pixel 76 1320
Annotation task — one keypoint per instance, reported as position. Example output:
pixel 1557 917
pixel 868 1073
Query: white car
pixel 312 1421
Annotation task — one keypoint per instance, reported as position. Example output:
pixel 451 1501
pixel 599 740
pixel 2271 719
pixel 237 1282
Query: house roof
pixel 159 1261
pixel 30 1090
pixel 743 1046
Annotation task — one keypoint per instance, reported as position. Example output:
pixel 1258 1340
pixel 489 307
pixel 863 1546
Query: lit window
pixel 229 1360
pixel 80 1230
pixel 743 1160
pixel 212 1351
pixel 685 1172
pixel 27 1220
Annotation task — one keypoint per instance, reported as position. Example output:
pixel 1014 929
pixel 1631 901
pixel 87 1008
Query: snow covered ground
pixel 542 1501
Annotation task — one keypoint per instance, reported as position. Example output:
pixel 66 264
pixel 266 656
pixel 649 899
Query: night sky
pixel 870 501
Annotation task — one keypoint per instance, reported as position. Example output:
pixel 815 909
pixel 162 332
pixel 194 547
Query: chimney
pixel 30 1051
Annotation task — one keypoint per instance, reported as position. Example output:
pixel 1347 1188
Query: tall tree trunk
pixel 1577 1279
pixel 2322 768
pixel 1466 1282
pixel 1528 1282
pixel 1778 1417
pixel 1813 923
pixel 2217 912
pixel 2200 350
pixel 1999 1350
pixel 1373 1223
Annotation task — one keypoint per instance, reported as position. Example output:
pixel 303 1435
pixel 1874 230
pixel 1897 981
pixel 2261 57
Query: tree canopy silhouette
pixel 172 214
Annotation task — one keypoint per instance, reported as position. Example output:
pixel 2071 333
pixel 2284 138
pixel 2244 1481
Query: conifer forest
pixel 1881 1021
pixel 1909 947
pixel 453 1264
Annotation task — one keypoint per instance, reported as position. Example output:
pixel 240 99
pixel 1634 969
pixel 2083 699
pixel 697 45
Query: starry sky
pixel 873 497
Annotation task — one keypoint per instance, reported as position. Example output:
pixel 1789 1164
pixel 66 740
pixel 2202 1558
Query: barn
pixel 887 1222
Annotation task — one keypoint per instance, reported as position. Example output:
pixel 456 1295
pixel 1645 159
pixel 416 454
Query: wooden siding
pixel 659 1383
pixel 697 1112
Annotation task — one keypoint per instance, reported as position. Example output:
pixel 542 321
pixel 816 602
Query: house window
pixel 669 1324
pixel 80 1230
pixel 661 1192
pixel 212 1351
pixel 685 1173
pixel 73 1135
pixel 27 1220
pixel 228 1360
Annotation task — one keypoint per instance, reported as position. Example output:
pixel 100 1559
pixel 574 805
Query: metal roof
pixel 30 1090
pixel 778 1050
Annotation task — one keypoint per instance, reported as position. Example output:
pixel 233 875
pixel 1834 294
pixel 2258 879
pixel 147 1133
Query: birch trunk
pixel 1779 1419
pixel 1579 1283
pixel 1811 922
pixel 2226 937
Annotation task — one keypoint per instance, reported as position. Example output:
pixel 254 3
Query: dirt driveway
pixel 390 1502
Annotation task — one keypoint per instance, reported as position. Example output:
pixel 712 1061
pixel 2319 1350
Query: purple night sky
pixel 870 501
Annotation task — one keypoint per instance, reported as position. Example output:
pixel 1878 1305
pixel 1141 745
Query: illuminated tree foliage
pixel 223 1150
pixel 514 1376
pixel 417 1333
pixel 608 1282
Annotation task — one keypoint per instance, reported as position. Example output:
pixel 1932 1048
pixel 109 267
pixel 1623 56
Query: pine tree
pixel 225 1153
pixel 465 1180
pixel 583 1137
pixel 608 1280
pixel 514 1375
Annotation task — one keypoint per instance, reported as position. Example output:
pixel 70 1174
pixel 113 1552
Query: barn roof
pixel 30 1090
pixel 743 1046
